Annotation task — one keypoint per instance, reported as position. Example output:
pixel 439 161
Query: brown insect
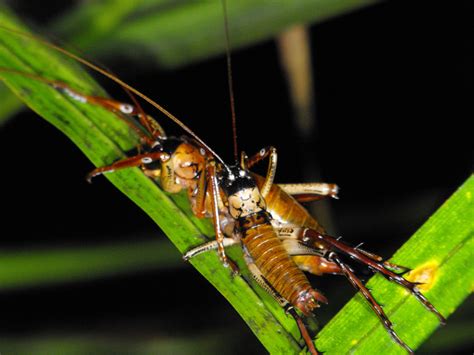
pixel 279 237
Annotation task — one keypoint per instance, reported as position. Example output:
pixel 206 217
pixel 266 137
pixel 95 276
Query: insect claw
pixel 400 341
pixel 89 178
pixel 289 309
pixel 234 269
pixel 400 270
pixel 401 273
pixel 95 173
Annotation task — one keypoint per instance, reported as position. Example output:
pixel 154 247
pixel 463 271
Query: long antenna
pixel 121 83
pixel 230 81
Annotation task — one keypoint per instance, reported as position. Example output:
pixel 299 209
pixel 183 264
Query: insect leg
pixel 304 332
pixel 394 267
pixel 293 232
pixel 335 265
pixel 212 245
pixel 271 153
pixel 137 160
pixel 215 199
pixel 310 236
pixel 304 192
pixel 117 107
pixel 313 191
pixel 198 197
pixel 309 259
pixel 357 283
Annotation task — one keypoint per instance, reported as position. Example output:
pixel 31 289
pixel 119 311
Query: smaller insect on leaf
pixel 103 138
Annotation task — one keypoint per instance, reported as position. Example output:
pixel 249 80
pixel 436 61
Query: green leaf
pixel 84 343
pixel 196 28
pixel 10 104
pixel 40 267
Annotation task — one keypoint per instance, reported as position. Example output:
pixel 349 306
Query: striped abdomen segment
pixel 276 266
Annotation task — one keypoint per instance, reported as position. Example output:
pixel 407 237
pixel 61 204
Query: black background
pixel 392 85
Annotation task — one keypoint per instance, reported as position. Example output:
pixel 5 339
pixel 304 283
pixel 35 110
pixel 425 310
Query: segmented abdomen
pixel 278 268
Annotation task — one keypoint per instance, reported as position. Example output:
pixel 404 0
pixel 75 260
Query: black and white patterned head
pixel 243 195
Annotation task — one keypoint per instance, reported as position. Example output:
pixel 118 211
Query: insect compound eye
pixel 126 108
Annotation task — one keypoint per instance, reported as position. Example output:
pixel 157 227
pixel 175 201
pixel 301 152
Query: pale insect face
pixel 245 202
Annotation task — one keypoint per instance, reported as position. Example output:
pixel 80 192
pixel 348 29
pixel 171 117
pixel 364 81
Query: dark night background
pixel 393 86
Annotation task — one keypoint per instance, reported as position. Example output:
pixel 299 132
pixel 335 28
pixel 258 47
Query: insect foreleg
pixel 137 160
pixel 198 197
pixel 151 126
pixel 216 202
pixel 117 107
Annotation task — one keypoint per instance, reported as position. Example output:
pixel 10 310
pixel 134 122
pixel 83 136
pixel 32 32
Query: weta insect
pixel 277 244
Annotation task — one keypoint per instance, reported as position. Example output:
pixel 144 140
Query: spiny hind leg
pixel 357 283
pixel 289 232
pixel 391 266
pixel 340 268
pixel 310 236
pixel 330 247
